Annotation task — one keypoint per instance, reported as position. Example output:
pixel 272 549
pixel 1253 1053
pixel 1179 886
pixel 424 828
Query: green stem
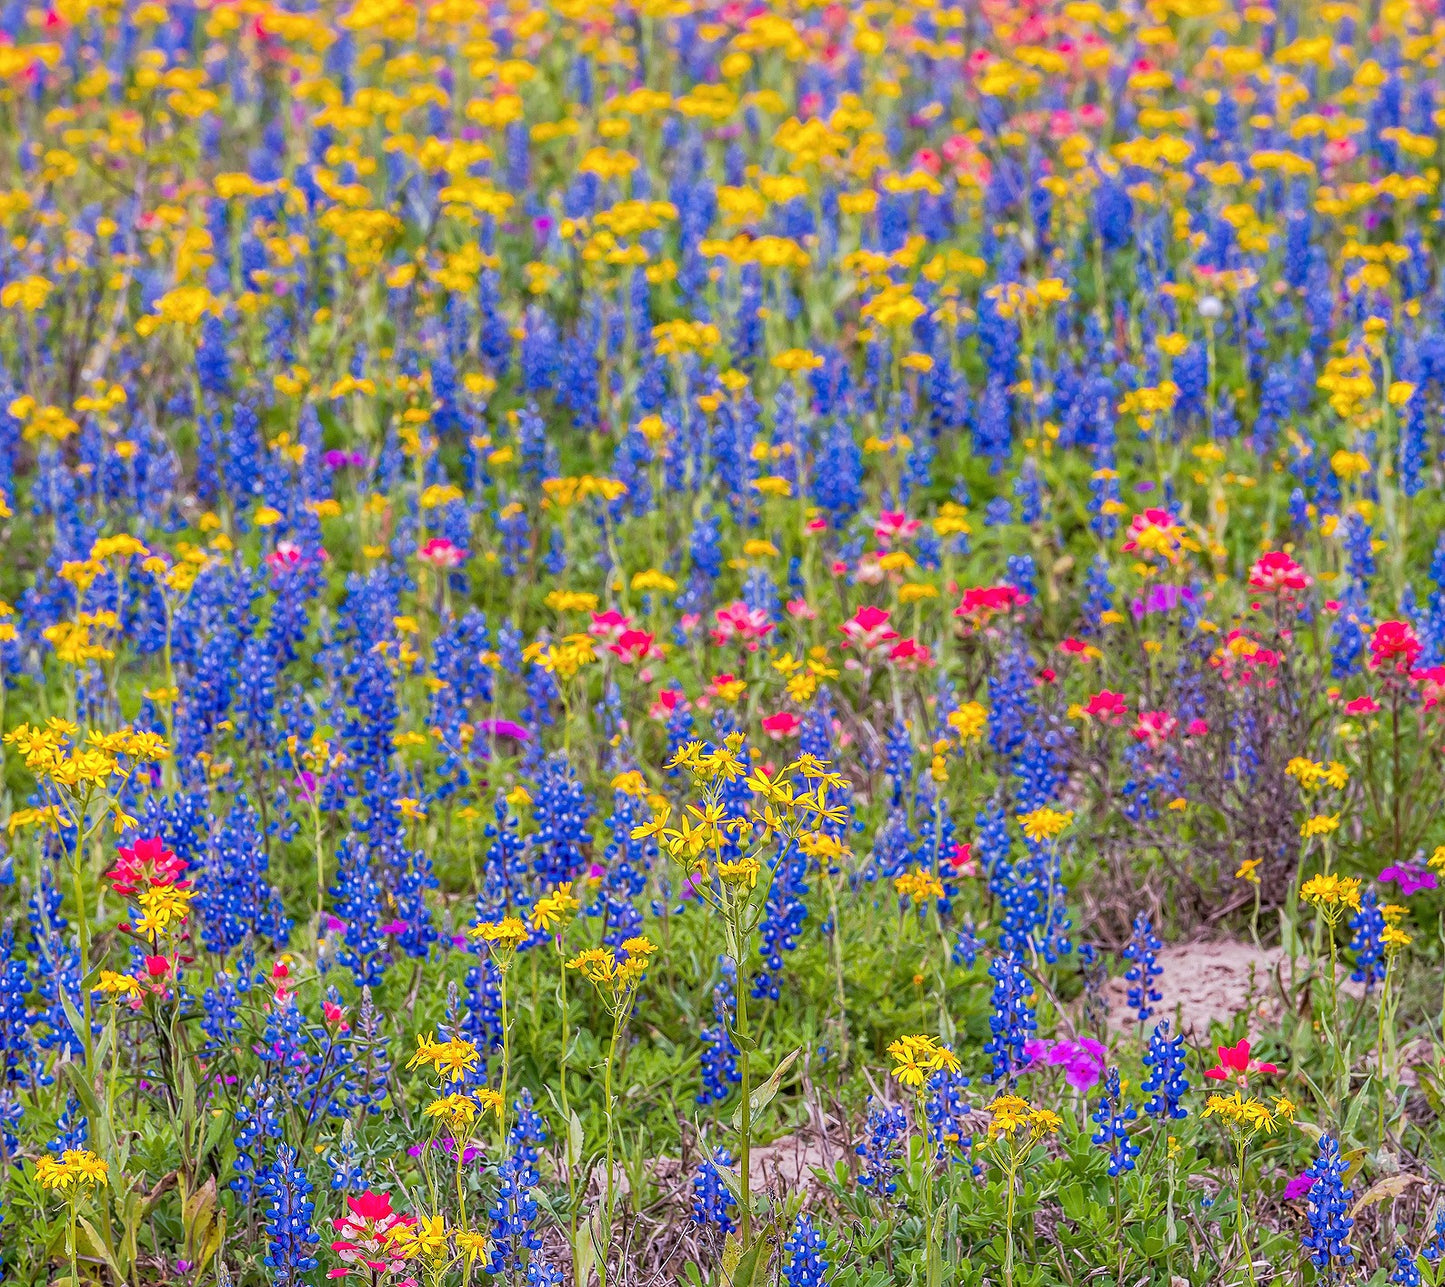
pixel 566 1107
pixel 610 1110
pixel 1239 1214
pixel 1008 1223
pixel 745 1110
pixel 506 1064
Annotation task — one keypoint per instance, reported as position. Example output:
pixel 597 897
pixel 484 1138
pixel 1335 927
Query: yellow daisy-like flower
pixel 1011 1116
pixel 509 933
pixel 917 1058
pixel 1249 870
pixel 1332 893
pixel 919 885
pixel 740 872
pixel 74 1169
pixel 451 1060
pixel 552 912
pixel 458 1111
pixel 1322 824
pixel 117 986
pixel 1045 823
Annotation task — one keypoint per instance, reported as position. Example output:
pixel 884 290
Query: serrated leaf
pixel 763 1095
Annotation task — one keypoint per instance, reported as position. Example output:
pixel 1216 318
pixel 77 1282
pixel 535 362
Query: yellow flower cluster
pixel 1045 823
pixel 552 912
pixel 616 976
pixel 1322 824
pixel 74 1169
pixel 1332 894
pixel 1250 1116
pixel 1311 774
pixel 565 658
pixel 450 1060
pixel 53 754
pixel 1012 1117
pixel 780 808
pixel 919 885
pixel 917 1058
pixel 460 1111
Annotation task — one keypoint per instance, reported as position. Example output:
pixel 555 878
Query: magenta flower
pixel 1299 1186
pixel 1409 877
pixel 1082 1061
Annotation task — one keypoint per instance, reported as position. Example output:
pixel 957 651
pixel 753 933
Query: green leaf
pixel 1390 1187
pixel 100 1249
pixel 747 1266
pixel 763 1095
pixel 585 1251
pixel 575 1140
pixel 1072 1199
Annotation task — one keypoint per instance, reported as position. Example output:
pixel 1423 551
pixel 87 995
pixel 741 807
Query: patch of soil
pixel 1205 983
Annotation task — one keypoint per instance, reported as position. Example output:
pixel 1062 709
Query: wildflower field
pixel 722 643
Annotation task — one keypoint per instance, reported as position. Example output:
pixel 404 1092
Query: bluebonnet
pixel 882 1147
pixel 1112 1116
pixel 358 904
pixel 1012 1020
pixel 946 1110
pixel 288 1213
pixel 514 1215
pixel 529 1129
pixel 805 1266
pixel 1143 968
pixel 1368 925
pixel 234 898
pixel 347 1173
pixel 15 1018
pixel 257 1122
pixel 1095 972
pixel 1434 1250
pixel 1328 1239
pixel 712 1200
pixel 720 1053
pixel 368 1057
pixel 966 946
pixel 783 915
pixel 72 1128
pixel 1166 1083
pixel 561 811
pixel 1407 1271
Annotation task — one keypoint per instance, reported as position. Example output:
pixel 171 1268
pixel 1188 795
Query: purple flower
pixel 1299 1186
pixel 1409 877
pixel 1161 598
pixel 1082 1061
pixel 1037 1049
pixel 504 728
pixel 343 459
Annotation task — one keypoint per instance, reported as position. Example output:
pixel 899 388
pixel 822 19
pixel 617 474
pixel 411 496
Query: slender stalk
pixel 745 1110
pixel 506 1064
pixel 1008 1222
pixel 1239 1214
pixel 610 1111
pixel 566 1106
